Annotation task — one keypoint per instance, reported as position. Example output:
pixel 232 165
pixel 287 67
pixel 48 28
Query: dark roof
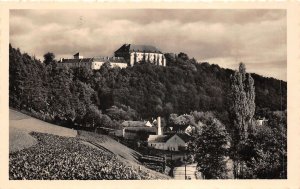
pixel 133 123
pixel 138 48
pixel 77 54
pixel 185 137
pixel 76 60
pixel 110 59
pixel 149 129
pixel 102 59
pixel 159 138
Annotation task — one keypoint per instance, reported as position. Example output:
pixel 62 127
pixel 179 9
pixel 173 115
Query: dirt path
pixel 179 172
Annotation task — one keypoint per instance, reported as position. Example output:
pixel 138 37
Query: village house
pixel 94 63
pixel 133 54
pixel 261 121
pixel 171 142
pixel 135 130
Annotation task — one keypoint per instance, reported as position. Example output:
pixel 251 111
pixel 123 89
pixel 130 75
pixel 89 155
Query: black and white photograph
pixel 147 94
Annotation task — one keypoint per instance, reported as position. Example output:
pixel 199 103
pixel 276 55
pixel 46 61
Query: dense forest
pixel 183 92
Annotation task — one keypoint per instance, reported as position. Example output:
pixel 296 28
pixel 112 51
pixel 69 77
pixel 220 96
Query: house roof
pixel 148 124
pixel 165 138
pixel 149 129
pixel 159 138
pixel 138 48
pixel 185 137
pixel 133 123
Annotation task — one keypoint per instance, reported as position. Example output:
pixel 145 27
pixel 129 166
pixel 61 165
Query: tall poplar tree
pixel 242 99
pixel 242 109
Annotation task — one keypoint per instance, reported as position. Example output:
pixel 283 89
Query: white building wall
pixel 153 57
pixel 96 65
pixel 131 59
pixel 120 65
pixel 157 145
pixel 172 144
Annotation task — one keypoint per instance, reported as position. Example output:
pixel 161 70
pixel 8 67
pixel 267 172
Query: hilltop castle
pixel 126 55
pixel 136 53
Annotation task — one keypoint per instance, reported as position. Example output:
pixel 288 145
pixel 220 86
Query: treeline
pixel 139 92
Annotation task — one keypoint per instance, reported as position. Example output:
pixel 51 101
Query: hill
pixel 86 97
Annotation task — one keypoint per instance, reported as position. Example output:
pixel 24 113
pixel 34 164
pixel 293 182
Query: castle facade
pixel 133 54
pixel 126 55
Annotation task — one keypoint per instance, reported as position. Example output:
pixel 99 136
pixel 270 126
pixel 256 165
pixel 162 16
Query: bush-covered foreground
pixel 56 157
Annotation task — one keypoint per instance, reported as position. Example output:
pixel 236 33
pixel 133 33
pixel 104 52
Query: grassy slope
pixel 20 125
pixel 26 123
pixel 27 152
pixel 110 144
pixel 125 154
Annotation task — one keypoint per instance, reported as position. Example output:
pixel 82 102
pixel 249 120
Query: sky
pixel 224 37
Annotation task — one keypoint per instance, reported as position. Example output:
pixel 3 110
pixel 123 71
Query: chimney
pixel 159 131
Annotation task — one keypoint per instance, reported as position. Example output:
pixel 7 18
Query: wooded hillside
pixel 139 92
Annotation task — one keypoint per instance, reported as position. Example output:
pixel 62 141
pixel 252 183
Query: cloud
pixel 224 37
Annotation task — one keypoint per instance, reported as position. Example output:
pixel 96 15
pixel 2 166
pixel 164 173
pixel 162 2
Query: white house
pixel 189 129
pixel 167 142
pixel 262 121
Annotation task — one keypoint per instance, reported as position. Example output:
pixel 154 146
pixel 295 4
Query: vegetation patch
pixel 57 157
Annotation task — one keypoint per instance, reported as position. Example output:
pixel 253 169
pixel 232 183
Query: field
pixel 39 151
pixel 57 157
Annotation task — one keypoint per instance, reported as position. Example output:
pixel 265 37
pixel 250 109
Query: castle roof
pixel 138 48
pixel 100 59
pixel 76 60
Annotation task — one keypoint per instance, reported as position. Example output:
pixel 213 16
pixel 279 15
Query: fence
pixel 154 162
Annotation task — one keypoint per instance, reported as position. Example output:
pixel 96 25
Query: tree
pixel 122 113
pixel 49 58
pixel 183 56
pixel 210 148
pixel 242 109
pixel 93 117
